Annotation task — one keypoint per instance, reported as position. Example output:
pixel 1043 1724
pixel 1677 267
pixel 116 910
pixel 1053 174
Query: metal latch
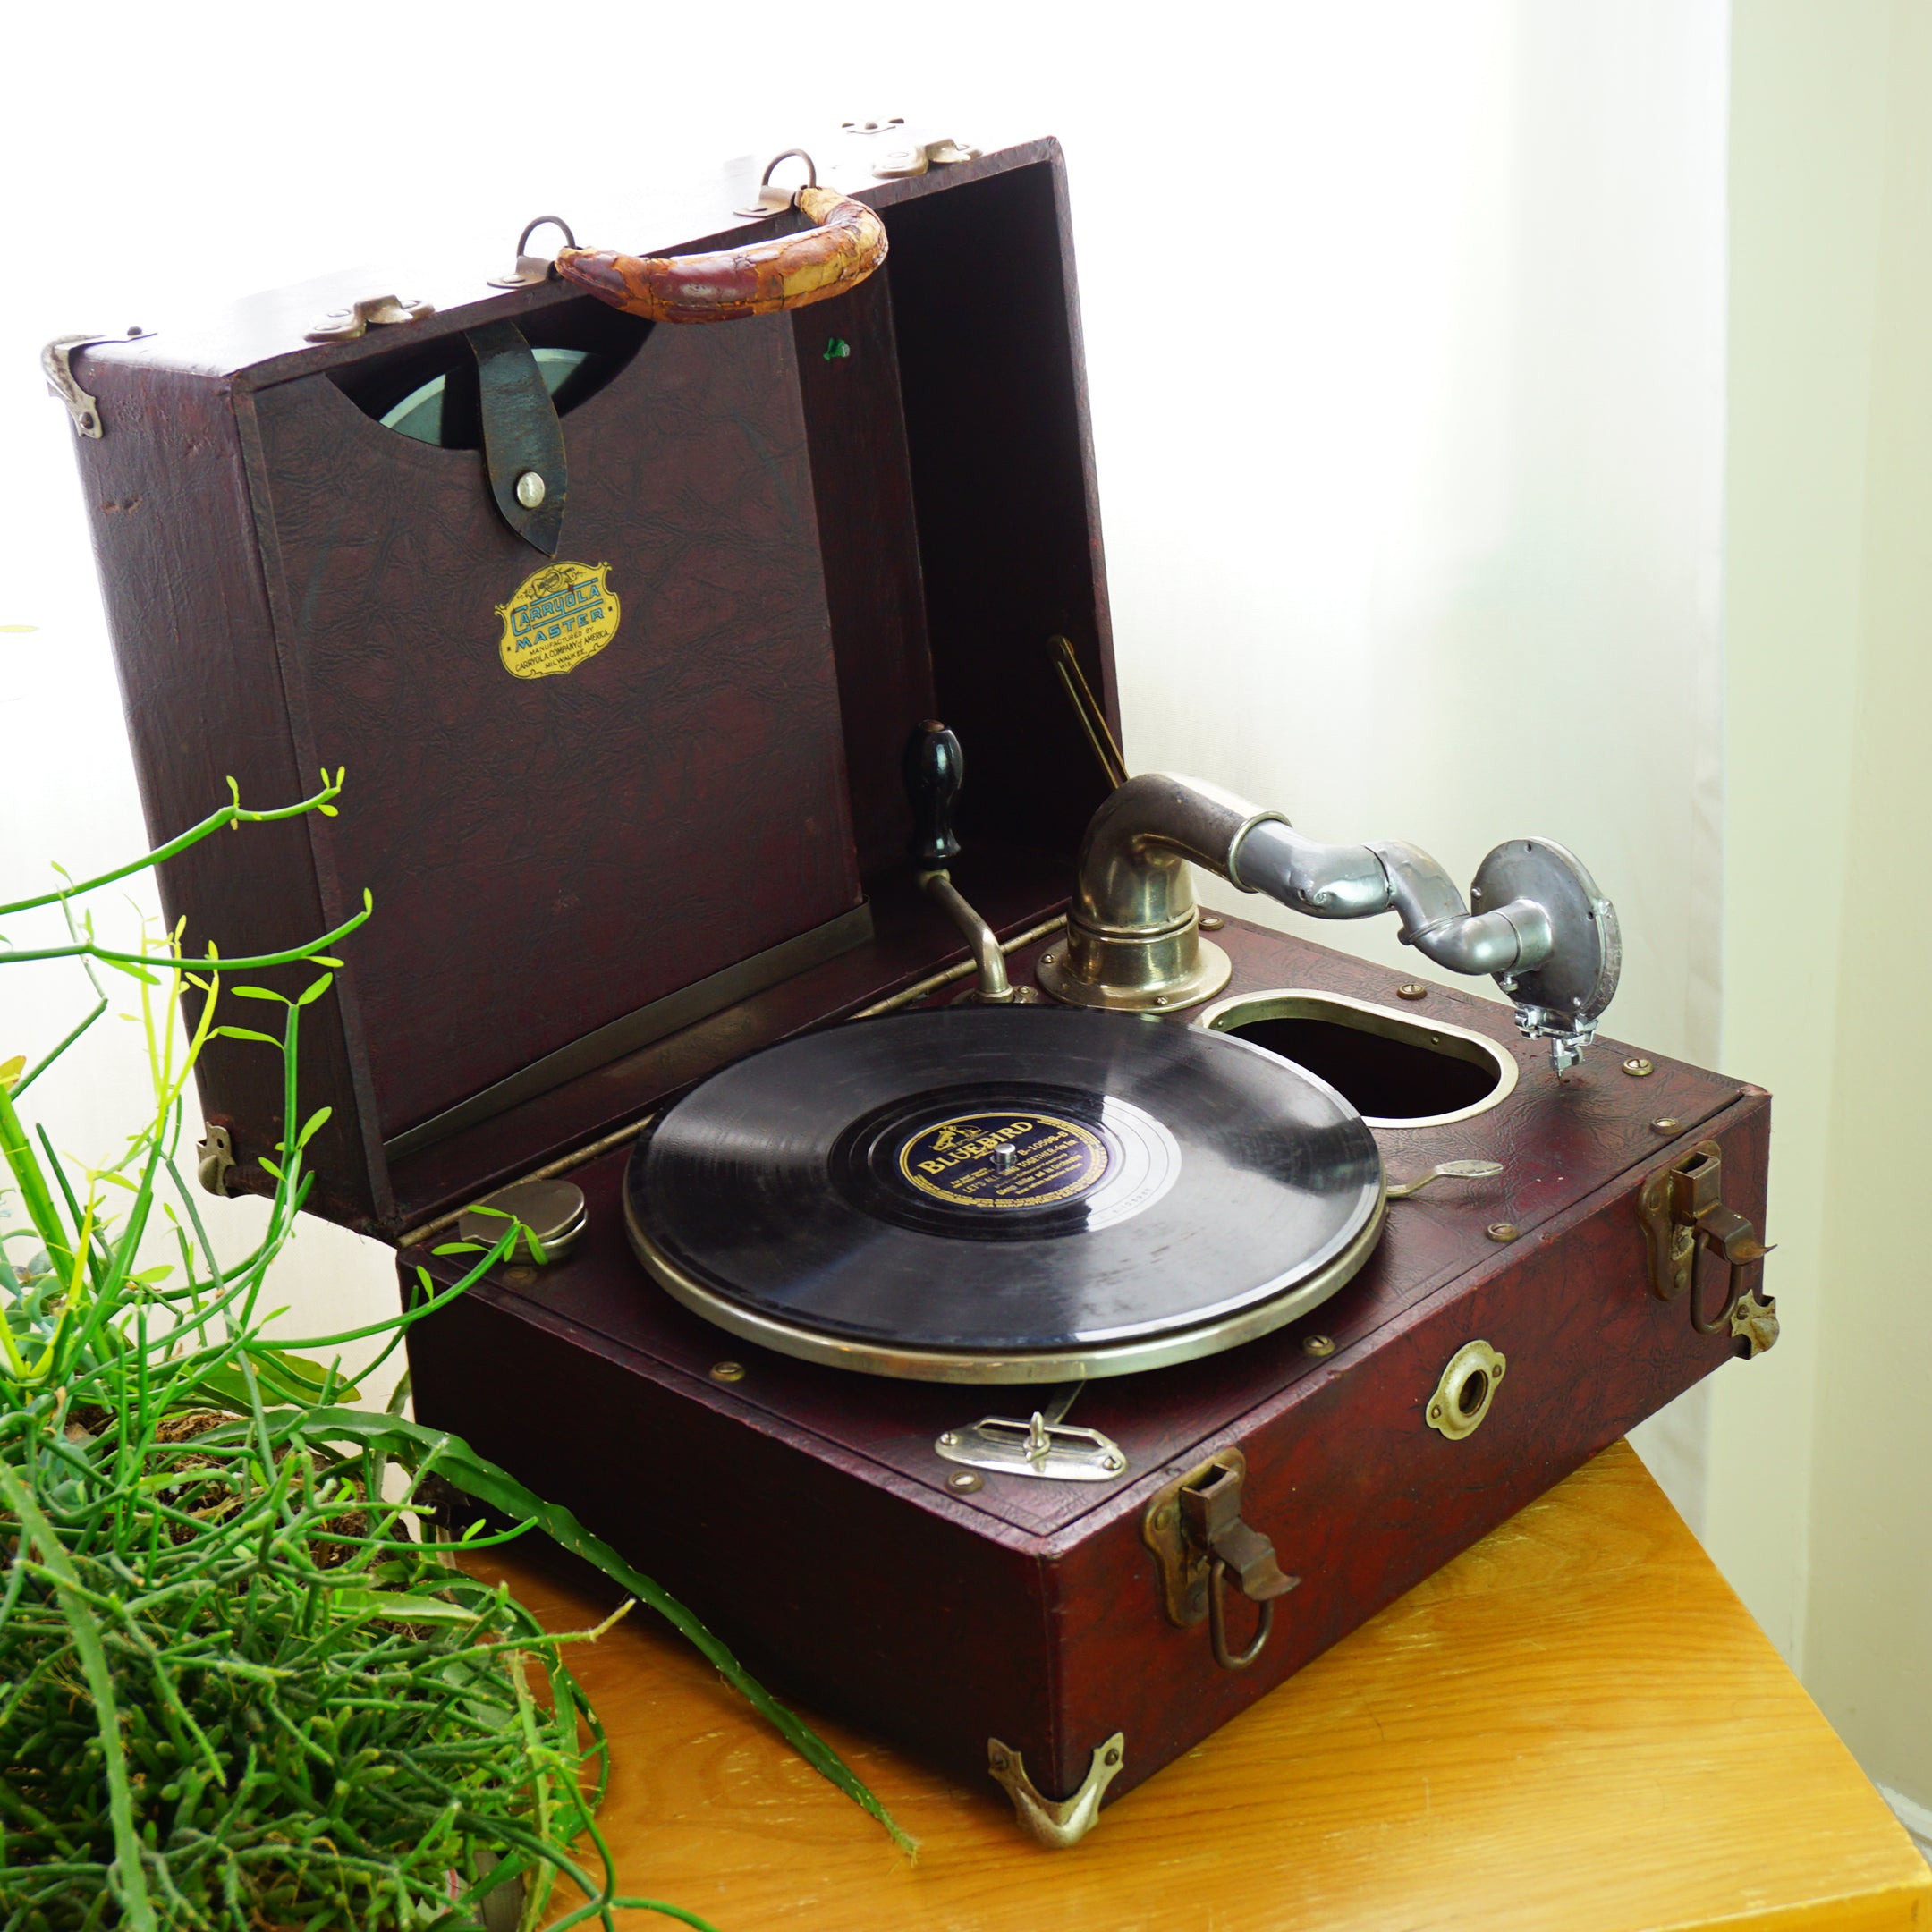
pixel 1056 1450
pixel 908 158
pixel 1681 1207
pixel 345 325
pixel 1195 1530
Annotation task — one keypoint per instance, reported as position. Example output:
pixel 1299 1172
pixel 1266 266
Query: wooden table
pixel 1575 1727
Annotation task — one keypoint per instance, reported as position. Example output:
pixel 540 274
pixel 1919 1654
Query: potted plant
pixel 239 1687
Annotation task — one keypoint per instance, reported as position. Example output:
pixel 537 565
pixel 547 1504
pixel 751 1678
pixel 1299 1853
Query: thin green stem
pixel 229 815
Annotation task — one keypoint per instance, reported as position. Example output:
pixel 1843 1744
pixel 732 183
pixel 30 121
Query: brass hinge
pixel 1194 1529
pixel 1682 1209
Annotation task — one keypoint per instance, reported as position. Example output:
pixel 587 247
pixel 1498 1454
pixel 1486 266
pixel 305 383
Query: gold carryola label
pixel 563 614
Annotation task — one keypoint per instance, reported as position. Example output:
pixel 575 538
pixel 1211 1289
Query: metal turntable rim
pixel 1091 1363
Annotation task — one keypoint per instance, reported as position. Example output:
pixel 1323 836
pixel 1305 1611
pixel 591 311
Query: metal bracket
pixel 214 1159
pixel 1057 1823
pixel 57 366
pixel 1057 1450
pixel 1194 1529
pixel 1681 1207
pixel 771 200
pixel 532 270
pixel 345 325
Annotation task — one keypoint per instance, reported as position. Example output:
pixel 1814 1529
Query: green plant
pixel 238 1688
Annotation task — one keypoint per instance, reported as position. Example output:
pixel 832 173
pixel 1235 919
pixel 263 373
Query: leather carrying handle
pixel 792 271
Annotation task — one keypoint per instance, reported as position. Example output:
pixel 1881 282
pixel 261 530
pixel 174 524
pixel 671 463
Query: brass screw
pixel 519 1276
pixel 1212 923
pixel 1639 1069
pixel 949 1438
pixel 1411 989
pixel 1160 999
pixel 1113 1756
pixel 727 1371
pixel 1666 1125
pixel 1046 959
pixel 1503 1231
pixel 1317 1344
pixel 1163 1517
pixel 963 1482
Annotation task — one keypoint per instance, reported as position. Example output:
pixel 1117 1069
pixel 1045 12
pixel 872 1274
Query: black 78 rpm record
pixel 1006 1194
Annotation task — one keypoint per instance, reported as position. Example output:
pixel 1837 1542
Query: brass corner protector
pixel 1056 1823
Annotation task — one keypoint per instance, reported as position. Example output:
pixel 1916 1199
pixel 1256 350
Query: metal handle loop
pixel 1217 1625
pixel 791 154
pixel 545 221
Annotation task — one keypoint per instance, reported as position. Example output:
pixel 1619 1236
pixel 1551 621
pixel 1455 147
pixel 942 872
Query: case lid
pixel 626 808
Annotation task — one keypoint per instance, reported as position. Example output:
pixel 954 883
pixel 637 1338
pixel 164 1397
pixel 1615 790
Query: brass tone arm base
pixel 1130 974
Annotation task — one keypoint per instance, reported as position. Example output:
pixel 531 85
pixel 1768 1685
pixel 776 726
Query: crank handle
pixel 933 769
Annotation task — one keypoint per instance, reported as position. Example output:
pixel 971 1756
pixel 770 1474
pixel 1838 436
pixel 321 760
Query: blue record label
pixel 1003 1159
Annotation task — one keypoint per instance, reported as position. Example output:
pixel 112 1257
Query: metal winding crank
pixel 935 769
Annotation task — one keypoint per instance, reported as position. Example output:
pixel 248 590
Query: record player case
pixel 592 890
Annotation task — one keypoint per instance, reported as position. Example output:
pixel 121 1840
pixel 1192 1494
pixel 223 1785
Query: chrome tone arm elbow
pixel 1535 921
pixel 1513 938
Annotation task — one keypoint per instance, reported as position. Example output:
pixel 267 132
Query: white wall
pixel 1822 1514
pixel 1405 329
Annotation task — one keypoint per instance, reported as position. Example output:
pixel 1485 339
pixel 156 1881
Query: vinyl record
pixel 1006 1194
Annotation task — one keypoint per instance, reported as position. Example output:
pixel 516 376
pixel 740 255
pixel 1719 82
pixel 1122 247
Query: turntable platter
pixel 1010 1194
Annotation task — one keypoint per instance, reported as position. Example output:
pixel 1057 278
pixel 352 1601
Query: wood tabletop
pixel 1575 1727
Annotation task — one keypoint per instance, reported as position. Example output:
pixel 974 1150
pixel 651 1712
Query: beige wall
pixel 1869 1630
pixel 1821 1455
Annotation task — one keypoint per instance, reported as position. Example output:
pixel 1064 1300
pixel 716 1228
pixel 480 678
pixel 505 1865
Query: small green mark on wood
pixel 837 349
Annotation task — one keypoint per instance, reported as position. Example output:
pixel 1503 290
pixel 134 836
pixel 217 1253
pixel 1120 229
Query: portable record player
pixel 1022 1313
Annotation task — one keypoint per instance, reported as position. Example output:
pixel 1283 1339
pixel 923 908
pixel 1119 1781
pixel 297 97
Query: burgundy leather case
pixel 822 528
